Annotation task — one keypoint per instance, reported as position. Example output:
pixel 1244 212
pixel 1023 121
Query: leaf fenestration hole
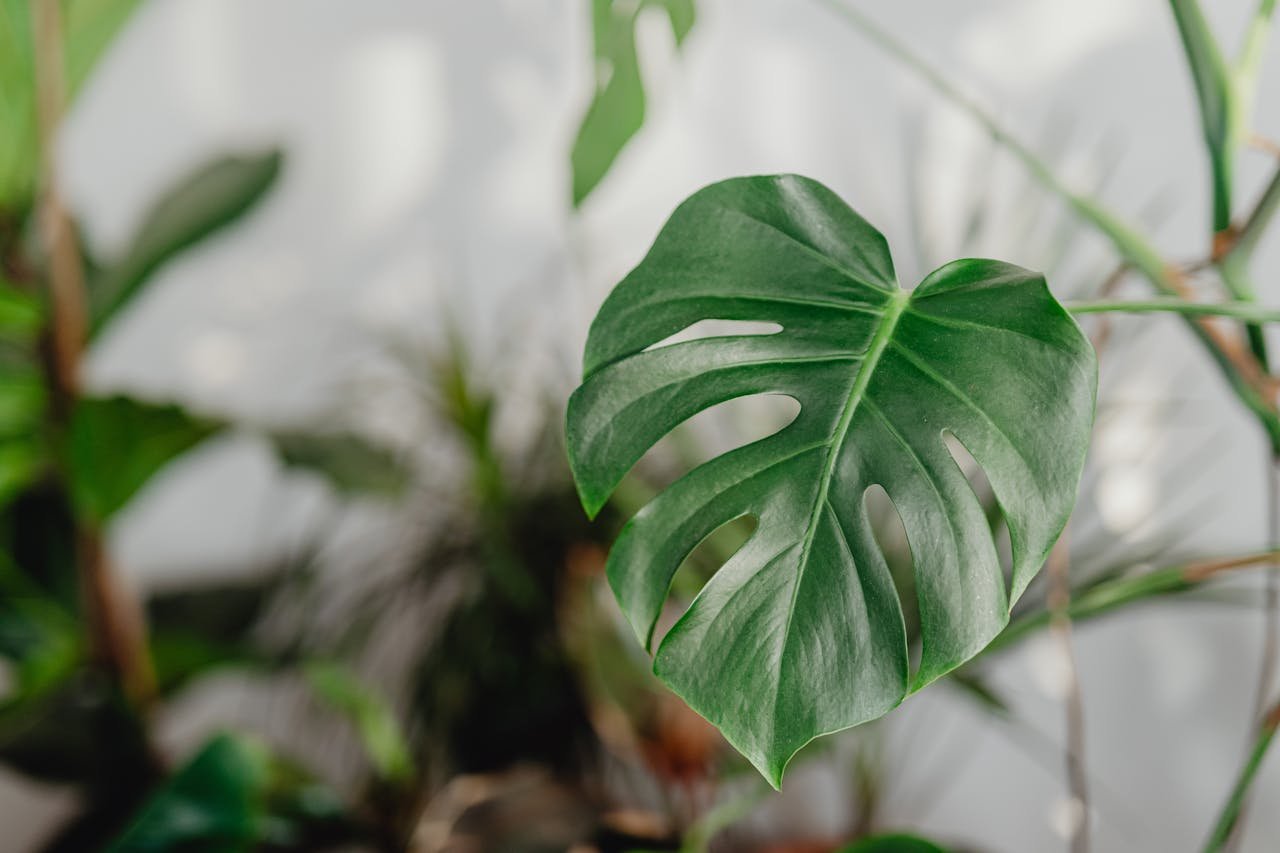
pixel 717 329
pixel 891 538
pixel 986 496
pixel 712 432
pixel 699 565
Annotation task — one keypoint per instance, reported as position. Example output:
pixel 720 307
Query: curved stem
pixel 1247 311
pixel 1230 814
pixel 1059 601
pixel 115 620
pixel 1237 364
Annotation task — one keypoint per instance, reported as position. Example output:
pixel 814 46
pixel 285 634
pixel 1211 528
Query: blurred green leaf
pixel 90 25
pixel 203 203
pixel 21 463
pixel 616 112
pixel 71 727
pixel 118 443
pixel 197 630
pixel 21 314
pixel 893 843
pixel 217 802
pixel 40 639
pixel 376 723
pixel 351 464
pixel 22 401
pixel 22 408
pixel 234 795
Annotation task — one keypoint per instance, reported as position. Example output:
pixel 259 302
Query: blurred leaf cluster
pixel 77 703
pixel 522 715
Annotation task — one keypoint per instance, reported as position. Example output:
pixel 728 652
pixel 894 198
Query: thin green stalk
pixel 1059 605
pixel 1230 814
pixel 1135 250
pixel 1246 240
pixel 1247 311
pixel 1105 596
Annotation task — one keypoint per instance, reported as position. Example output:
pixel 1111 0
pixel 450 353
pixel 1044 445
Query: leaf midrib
pixel 894 309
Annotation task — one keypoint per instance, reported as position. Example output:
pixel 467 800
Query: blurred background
pixel 340 272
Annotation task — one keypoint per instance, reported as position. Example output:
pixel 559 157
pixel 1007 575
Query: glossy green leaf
pixel 801 632
pixel 117 444
pixel 350 463
pixel 617 109
pixel 203 203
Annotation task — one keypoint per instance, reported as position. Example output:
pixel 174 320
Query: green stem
pixel 1230 813
pixel 1247 311
pixel 1134 249
pixel 1219 105
pixel 1114 593
pixel 1253 228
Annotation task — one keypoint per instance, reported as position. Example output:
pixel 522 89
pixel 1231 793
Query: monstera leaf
pixel 801 632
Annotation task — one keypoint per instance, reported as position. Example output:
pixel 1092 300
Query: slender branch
pixel 1271 597
pixel 115 622
pixel 1229 817
pixel 1270 644
pixel 1107 595
pixel 1101 335
pixel 1255 224
pixel 66 274
pixel 1237 364
pixel 1059 602
pixel 1266 145
pixel 1247 311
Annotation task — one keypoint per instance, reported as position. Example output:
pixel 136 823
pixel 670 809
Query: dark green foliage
pixel 350 464
pixel 234 795
pixel 501 649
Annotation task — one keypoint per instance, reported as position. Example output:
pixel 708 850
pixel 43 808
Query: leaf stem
pixel 1241 369
pixel 1230 814
pixel 116 626
pixel 1104 596
pixel 1246 238
pixel 1059 601
pixel 1247 311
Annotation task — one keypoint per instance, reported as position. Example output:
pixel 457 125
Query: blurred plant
pixel 1226 93
pixel 85 676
